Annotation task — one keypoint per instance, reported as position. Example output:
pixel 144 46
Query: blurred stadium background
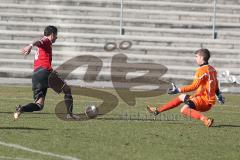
pixel 165 32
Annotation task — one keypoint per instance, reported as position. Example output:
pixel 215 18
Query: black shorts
pixel 40 83
pixel 189 102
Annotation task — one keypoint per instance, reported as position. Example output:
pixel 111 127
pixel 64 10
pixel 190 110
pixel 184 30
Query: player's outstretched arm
pixel 27 49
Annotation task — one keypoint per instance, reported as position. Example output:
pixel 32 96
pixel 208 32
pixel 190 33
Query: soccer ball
pixel 91 111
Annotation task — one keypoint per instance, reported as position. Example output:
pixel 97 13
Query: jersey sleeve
pixel 42 42
pixel 199 77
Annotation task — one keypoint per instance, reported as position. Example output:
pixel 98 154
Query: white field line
pixel 16 146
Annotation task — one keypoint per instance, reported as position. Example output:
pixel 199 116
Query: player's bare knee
pixel 40 101
pixel 182 97
pixel 183 108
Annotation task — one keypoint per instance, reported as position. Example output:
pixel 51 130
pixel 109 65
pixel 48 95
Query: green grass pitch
pixel 126 133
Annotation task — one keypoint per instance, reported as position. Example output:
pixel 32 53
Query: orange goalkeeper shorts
pixel 201 103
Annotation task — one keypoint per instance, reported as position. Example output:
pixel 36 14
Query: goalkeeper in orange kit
pixel 205 84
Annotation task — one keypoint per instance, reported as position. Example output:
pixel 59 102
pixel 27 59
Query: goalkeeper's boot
pixel 208 122
pixel 152 110
pixel 18 112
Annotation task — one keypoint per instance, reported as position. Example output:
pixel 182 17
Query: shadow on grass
pixel 23 128
pixel 28 113
pixel 143 119
pixel 227 125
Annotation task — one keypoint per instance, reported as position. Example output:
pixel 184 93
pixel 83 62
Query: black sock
pixel 68 102
pixel 31 107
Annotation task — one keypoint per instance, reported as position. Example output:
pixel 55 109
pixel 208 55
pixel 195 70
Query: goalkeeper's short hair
pixel 205 53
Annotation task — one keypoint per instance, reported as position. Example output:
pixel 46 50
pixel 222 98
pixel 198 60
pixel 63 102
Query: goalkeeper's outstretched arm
pixel 220 97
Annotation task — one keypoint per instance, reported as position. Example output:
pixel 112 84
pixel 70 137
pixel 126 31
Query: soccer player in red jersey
pixel 42 71
pixel 206 86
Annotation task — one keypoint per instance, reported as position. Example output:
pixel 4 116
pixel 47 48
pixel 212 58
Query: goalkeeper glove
pixel 220 98
pixel 173 90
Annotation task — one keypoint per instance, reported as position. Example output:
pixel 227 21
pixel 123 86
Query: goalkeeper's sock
pixel 31 107
pixel 193 113
pixel 172 104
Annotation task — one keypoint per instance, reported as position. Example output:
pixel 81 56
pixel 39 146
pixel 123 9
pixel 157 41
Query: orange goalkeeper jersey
pixel 205 83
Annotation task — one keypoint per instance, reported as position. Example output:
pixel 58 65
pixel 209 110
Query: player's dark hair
pixel 205 53
pixel 49 30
